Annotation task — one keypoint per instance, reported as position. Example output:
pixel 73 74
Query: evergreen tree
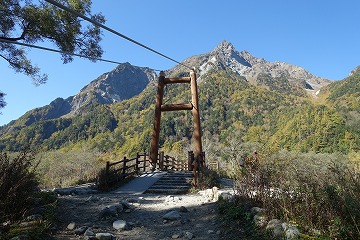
pixel 28 22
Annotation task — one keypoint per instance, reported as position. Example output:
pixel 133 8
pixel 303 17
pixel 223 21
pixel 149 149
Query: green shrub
pixel 35 229
pixel 315 191
pixel 102 182
pixel 18 182
pixel 207 178
pixel 237 221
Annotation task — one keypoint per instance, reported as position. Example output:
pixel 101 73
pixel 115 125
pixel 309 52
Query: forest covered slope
pixel 241 97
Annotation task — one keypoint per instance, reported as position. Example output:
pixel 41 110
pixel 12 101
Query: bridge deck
pixel 158 182
pixel 140 184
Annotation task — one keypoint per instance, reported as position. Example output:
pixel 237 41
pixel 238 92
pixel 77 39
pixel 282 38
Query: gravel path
pixel 198 216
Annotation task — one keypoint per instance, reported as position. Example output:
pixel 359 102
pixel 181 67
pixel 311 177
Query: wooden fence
pixel 120 170
pixel 167 162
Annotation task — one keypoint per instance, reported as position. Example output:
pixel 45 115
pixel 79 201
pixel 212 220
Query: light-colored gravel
pixel 198 216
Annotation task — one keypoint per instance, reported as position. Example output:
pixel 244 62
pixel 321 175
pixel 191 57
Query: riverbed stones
pixel 291 231
pixel 120 225
pixel 183 209
pixel 275 227
pixel 172 215
pixel 282 230
pixel 111 211
pixel 80 230
pixel 189 235
pixel 89 233
pixel 71 226
pixel 105 236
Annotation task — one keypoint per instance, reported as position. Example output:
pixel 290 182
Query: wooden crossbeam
pixel 177 80
pixel 176 107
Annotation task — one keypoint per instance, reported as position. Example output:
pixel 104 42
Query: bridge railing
pixel 166 162
pixel 119 171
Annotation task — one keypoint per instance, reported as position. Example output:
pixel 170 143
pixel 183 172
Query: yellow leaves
pixel 178 147
pixel 255 134
pixel 354 158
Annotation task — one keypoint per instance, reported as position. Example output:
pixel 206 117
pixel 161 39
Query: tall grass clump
pixel 18 182
pixel 207 178
pixel 318 192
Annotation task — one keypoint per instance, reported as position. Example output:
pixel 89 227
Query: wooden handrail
pixel 139 164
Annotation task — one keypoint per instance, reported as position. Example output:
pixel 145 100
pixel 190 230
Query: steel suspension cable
pixel 54 50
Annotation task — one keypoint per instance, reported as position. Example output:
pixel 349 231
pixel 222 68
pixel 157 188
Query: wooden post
pixel 198 158
pixel 203 158
pixel 195 176
pixel 173 167
pixel 190 160
pixel 124 167
pixel 161 160
pixel 196 118
pixel 107 169
pixel 137 169
pixel 156 127
pixel 177 165
pixel 167 162
pixel 144 166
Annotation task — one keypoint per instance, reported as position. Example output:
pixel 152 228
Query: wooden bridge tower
pixel 193 106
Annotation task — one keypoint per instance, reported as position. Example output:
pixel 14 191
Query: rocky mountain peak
pixel 356 70
pixel 225 57
pixel 123 82
pixel 251 59
pixel 223 47
pixel 126 80
pixel 229 57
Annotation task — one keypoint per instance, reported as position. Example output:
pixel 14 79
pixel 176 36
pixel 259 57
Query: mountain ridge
pixel 113 87
pixel 126 81
pixel 225 56
pixel 108 88
pixel 103 107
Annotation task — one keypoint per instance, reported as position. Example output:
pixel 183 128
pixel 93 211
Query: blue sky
pixel 321 36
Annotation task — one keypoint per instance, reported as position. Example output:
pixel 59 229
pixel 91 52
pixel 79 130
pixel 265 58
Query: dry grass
pixel 18 182
pixel 68 167
pixel 318 192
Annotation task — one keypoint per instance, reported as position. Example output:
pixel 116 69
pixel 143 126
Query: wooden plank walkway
pixel 140 184
pixel 177 182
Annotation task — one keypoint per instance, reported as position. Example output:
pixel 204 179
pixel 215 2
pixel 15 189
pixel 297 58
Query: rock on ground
pixel 144 218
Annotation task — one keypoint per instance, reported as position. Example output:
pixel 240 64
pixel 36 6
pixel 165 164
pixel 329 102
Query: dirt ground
pixel 145 218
